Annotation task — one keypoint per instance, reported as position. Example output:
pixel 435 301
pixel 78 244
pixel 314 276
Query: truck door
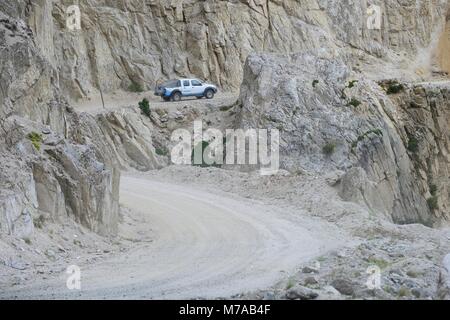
pixel 186 89
pixel 197 88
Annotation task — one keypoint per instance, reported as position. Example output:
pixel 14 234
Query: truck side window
pixel 178 83
pixel 196 83
pixel 186 83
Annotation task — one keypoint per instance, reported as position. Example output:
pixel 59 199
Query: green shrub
pixel 200 148
pixel 135 87
pixel 39 222
pixel 361 137
pixel 36 140
pixel 354 103
pixel 403 292
pixel 290 284
pixel 412 274
pixel 352 83
pixel 432 203
pixel 433 189
pixel 413 144
pixel 315 83
pixel 394 88
pixel 226 108
pixel 161 152
pixel 145 107
pixel 380 263
pixel 329 148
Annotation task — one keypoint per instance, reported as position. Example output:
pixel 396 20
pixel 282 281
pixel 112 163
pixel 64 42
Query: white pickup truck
pixel 174 90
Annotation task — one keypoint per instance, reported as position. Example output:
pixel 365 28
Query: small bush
pixel 200 148
pixel 27 241
pixel 329 148
pixel 161 152
pixel 361 137
pixel 352 83
pixel 226 108
pixel 354 103
pixel 380 263
pixel 36 140
pixel 39 222
pixel 290 284
pixel 412 274
pixel 145 107
pixel 315 83
pixel 432 203
pixel 403 292
pixel 135 87
pixel 413 144
pixel 395 88
pixel 433 189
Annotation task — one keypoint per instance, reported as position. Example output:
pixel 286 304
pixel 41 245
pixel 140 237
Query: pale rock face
pixel 141 42
pixel 307 97
pixel 60 179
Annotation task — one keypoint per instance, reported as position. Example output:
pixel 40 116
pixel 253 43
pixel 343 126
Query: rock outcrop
pixel 313 70
pixel 45 172
pixel 392 148
pixel 137 43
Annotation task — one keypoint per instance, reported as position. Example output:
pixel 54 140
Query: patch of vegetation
pixel 290 284
pixel 413 144
pixel 329 148
pixel 315 83
pixel 135 87
pixel 403 292
pixel 39 222
pixel 161 152
pixel 433 189
pixel 226 108
pixel 354 103
pixel 200 148
pixel 352 83
pixel 394 88
pixel 432 203
pixel 361 137
pixel 387 289
pixel 36 140
pixel 27 241
pixel 380 263
pixel 412 274
pixel 144 105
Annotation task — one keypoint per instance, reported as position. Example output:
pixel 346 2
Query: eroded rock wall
pixel 45 173
pixel 334 120
pixel 142 42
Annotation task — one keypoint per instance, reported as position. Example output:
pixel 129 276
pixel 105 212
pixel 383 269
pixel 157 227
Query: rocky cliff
pixel 389 150
pixel 45 173
pixel 132 43
pixel 311 68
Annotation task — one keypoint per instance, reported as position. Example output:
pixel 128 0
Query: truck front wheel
pixel 176 96
pixel 209 94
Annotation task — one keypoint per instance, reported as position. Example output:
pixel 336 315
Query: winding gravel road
pixel 204 245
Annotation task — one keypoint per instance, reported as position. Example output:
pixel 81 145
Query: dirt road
pixel 204 245
pixel 120 100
